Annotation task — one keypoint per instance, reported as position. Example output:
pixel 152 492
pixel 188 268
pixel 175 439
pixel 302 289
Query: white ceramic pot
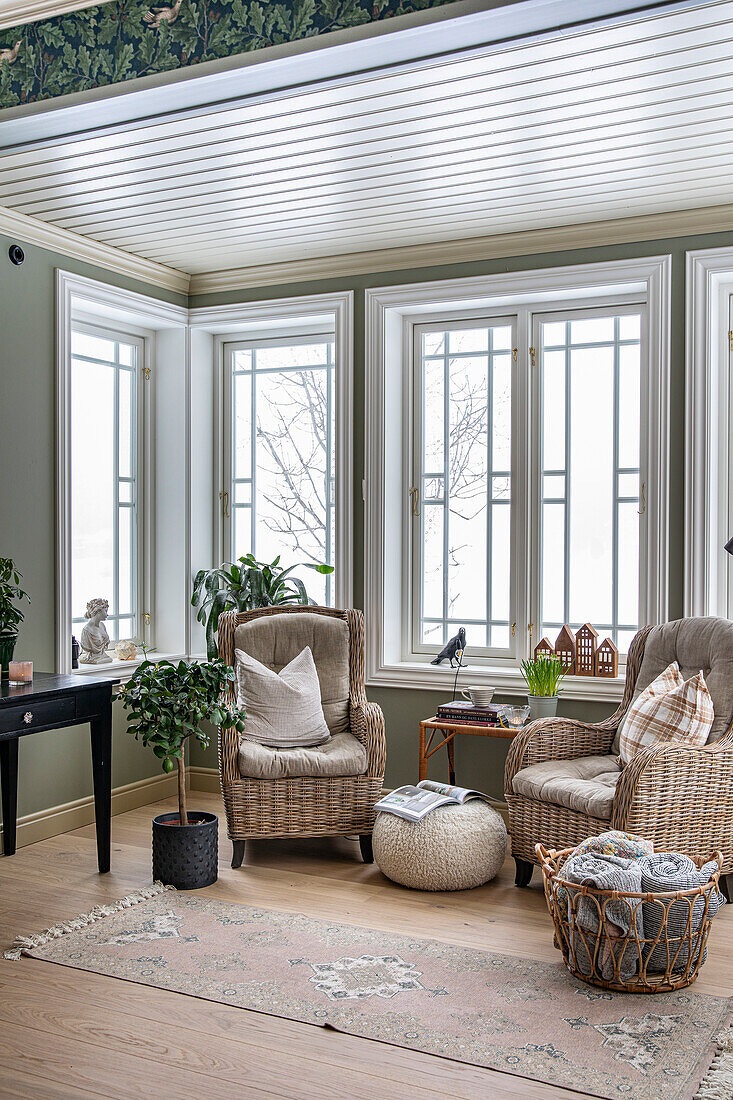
pixel 542 706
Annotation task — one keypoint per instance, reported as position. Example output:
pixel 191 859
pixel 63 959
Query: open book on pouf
pixel 414 803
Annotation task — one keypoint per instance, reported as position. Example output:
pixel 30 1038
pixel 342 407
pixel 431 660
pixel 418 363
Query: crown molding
pixel 40 233
pixel 15 13
pixel 648 227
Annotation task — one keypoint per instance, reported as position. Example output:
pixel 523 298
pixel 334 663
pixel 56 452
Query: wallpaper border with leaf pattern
pixel 126 39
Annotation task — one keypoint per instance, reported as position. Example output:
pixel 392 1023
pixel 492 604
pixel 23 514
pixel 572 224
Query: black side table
pixel 53 702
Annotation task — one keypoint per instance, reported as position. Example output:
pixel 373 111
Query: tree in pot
pixel 166 704
pixel 244 585
pixel 10 616
pixel 543 676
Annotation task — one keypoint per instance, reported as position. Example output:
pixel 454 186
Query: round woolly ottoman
pixel 453 848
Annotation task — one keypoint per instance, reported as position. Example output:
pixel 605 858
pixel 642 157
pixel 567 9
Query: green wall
pixel 479 761
pixel 54 767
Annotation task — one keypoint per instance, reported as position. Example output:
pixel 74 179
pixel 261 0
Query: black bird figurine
pixel 452 648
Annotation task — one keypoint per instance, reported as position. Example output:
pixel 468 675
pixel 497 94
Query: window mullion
pixel 116 494
pixel 446 480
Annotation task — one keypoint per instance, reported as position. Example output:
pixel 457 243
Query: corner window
pixel 106 493
pixel 280 453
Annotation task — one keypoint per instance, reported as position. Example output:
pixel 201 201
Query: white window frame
pixel 708 445
pixel 390 314
pixel 142 341
pixel 304 315
pixel 87 301
pixel 227 347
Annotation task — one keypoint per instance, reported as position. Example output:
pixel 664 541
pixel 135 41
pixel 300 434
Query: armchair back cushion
pixel 274 640
pixel 695 644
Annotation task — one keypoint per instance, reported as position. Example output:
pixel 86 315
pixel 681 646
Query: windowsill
pixel 123 670
pixel 506 680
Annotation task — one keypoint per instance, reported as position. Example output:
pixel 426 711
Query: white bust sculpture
pixel 94 640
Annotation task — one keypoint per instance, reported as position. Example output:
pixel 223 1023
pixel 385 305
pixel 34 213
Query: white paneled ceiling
pixel 593 125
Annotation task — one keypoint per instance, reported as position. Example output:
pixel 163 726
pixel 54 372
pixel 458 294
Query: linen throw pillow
pixel 283 709
pixel 669 709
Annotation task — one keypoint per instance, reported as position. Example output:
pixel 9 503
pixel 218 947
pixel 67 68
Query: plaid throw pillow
pixel 670 709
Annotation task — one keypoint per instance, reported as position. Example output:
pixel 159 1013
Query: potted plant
pixel 10 615
pixel 244 585
pixel 543 676
pixel 166 704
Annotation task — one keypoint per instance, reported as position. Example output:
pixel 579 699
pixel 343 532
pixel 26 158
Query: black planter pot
pixel 186 856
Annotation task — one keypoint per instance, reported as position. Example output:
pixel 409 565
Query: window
pixel 280 453
pixel 590 424
pixel 462 493
pixel 105 483
pixel 516 474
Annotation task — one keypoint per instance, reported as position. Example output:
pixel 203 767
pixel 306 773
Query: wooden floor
pixel 66 1033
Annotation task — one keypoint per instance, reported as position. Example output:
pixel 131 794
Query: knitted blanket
pixel 671 871
pixel 617 946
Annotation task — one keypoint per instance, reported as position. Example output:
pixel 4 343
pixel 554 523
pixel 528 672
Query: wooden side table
pixel 430 726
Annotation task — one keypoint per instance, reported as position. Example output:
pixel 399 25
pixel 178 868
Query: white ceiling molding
pixel 558 239
pixel 14 13
pixel 40 233
pixel 406 41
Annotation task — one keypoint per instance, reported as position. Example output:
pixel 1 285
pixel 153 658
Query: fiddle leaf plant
pixel 244 585
pixel 10 593
pixel 166 704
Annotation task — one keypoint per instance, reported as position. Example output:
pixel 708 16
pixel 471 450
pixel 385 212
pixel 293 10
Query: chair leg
pixel 237 853
pixel 726 886
pixel 365 843
pixel 523 876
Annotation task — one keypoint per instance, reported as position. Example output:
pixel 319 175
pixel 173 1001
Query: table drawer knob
pixel 28 717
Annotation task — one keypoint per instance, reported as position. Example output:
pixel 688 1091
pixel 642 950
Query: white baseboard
pixel 74 815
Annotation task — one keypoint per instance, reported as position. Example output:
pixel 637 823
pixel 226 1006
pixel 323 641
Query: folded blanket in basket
pixel 668 871
pixel 611 843
pixel 602 925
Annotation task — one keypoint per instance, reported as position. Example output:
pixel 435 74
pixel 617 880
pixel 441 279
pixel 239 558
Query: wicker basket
pixel 597 956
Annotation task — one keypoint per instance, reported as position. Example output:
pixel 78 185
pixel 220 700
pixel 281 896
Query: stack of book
pixel 466 713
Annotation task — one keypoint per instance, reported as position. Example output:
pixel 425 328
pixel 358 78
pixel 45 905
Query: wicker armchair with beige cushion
pixel 563 783
pixel 326 790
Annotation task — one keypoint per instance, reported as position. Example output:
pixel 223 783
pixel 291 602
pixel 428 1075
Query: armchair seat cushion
pixel 586 784
pixel 342 755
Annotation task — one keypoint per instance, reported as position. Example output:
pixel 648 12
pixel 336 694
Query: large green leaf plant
pixel 244 585
pixel 166 704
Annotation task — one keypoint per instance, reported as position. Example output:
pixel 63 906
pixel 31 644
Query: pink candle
pixel 20 672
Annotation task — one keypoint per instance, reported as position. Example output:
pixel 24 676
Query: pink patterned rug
pixel 527 1018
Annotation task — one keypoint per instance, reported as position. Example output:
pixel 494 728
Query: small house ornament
pixel 585 650
pixel 565 649
pixel 544 648
pixel 607 659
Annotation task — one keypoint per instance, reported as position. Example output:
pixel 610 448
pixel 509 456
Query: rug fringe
pixel 717 1083
pixel 25 944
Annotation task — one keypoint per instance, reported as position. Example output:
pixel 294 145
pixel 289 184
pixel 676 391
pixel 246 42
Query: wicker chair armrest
pixel 228 754
pixel 675 773
pixel 373 737
pixel 556 739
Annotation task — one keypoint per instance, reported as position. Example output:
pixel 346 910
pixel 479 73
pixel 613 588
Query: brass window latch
pixel 414 491
pixel 224 498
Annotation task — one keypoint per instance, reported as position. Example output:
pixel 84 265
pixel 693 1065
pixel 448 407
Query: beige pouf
pixel 454 848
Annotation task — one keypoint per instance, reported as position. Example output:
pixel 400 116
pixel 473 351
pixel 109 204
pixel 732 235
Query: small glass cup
pixel 515 717
pixel 20 672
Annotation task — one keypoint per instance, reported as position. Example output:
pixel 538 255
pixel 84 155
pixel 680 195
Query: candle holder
pixel 20 672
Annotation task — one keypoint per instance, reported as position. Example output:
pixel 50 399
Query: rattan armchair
pixel 303 805
pixel 680 798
